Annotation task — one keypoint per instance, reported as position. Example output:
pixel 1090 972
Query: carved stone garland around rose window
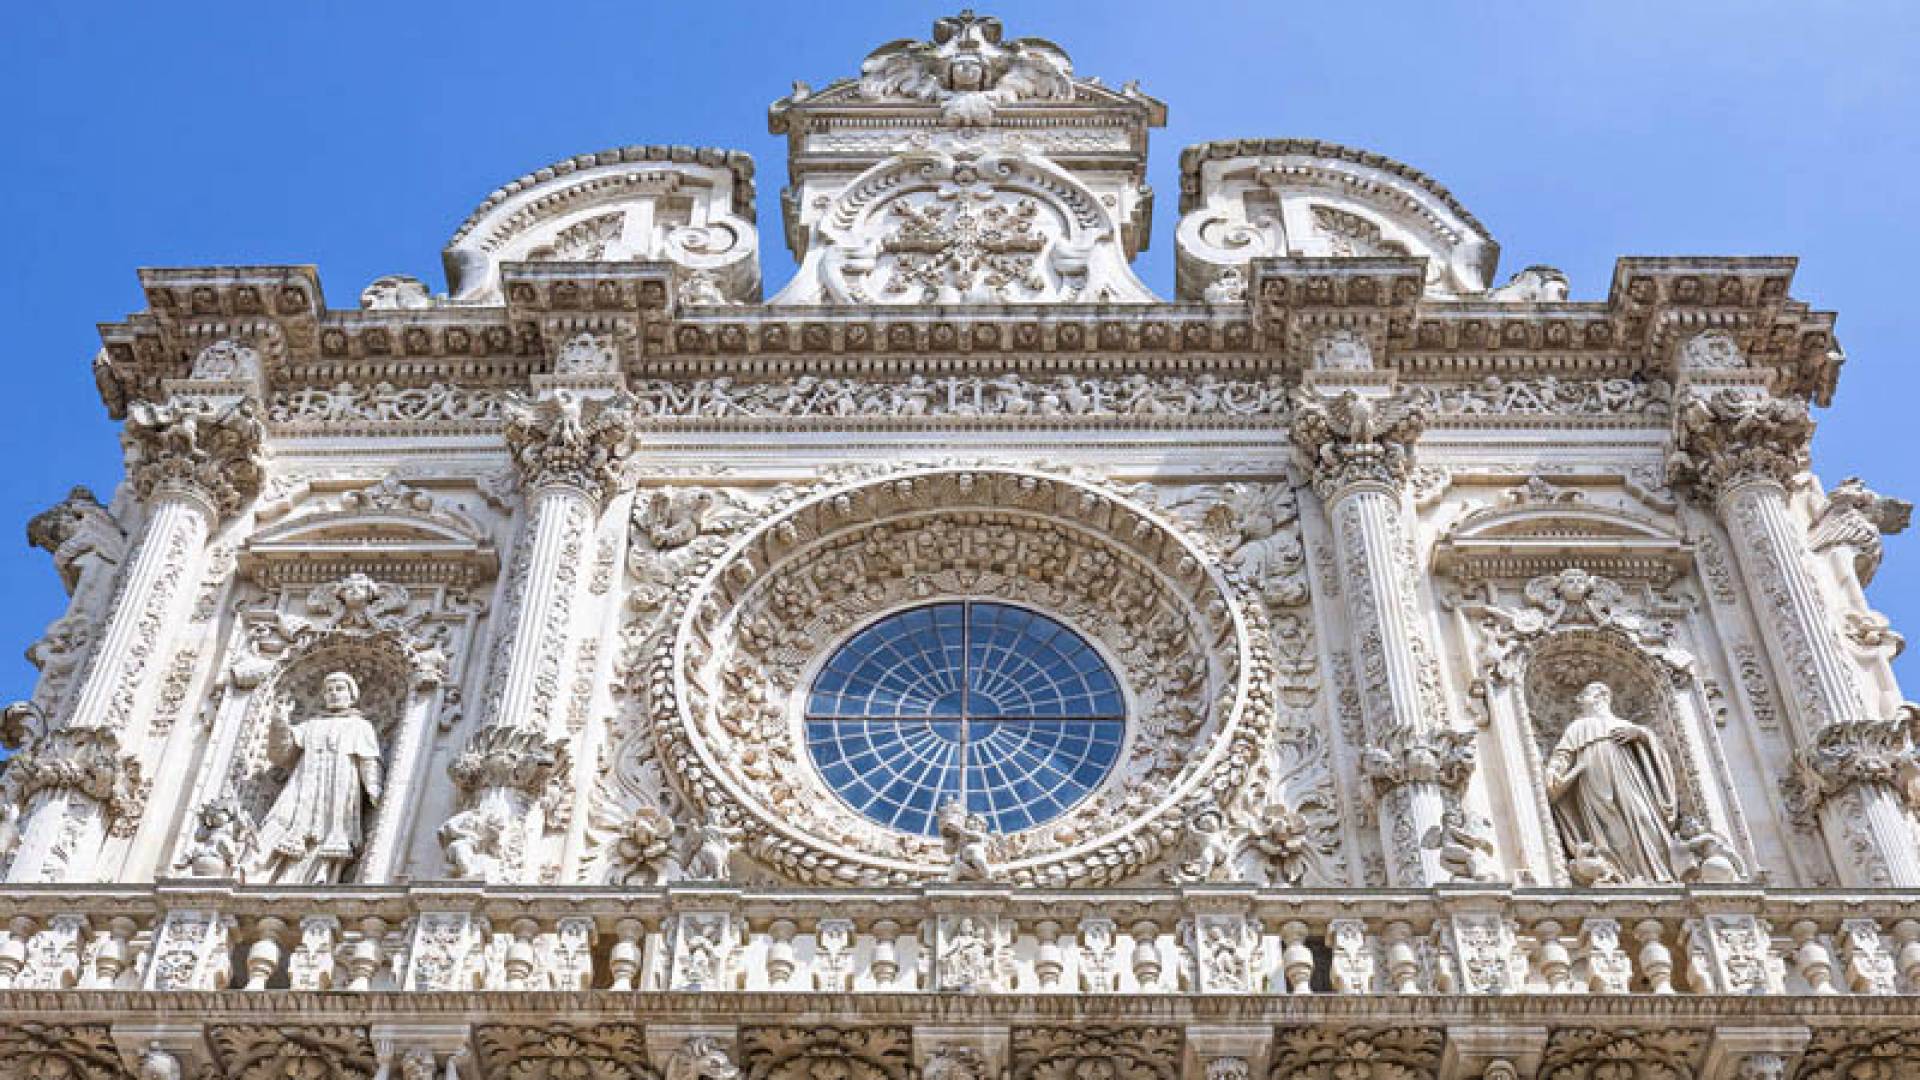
pixel 723 663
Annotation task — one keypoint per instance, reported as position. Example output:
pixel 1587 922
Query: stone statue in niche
pixel 1613 793
pixel 314 829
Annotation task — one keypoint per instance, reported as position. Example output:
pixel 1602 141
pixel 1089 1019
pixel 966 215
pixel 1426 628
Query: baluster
pixel 623 963
pixel 1296 960
pixel 884 969
pixel 1048 962
pixel 1811 957
pixel 780 956
pixel 13 951
pixel 520 954
pixel 108 955
pixel 364 955
pixel 1147 967
pixel 263 956
pixel 1403 959
pixel 1552 958
pixel 1907 933
pixel 1656 960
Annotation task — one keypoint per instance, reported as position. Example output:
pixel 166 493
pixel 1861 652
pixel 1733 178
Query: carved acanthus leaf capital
pixel 1445 757
pixel 1351 439
pixel 87 760
pixel 1730 437
pixel 217 452
pixel 501 756
pixel 567 440
pixel 1845 755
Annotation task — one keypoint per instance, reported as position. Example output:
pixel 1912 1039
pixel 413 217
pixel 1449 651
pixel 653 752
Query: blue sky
pixel 357 136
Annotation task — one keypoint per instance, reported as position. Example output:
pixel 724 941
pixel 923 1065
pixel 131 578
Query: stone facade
pixel 1501 698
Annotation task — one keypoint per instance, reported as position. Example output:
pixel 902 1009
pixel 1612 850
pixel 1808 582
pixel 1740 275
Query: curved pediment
pixel 400 532
pixel 1275 198
pixel 689 207
pixel 1540 529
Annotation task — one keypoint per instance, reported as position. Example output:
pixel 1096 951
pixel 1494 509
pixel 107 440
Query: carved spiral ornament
pixel 768 612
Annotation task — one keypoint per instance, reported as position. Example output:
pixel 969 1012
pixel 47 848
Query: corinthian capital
pixel 1445 757
pixel 567 440
pixel 87 760
pixel 1350 439
pixel 1843 755
pixel 1729 437
pixel 215 451
pixel 502 756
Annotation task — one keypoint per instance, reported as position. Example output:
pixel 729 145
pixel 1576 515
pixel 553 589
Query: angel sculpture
pixel 1855 517
pixel 967 70
pixel 965 835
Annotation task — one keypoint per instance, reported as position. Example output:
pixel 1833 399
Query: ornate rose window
pixel 825 697
pixel 996 707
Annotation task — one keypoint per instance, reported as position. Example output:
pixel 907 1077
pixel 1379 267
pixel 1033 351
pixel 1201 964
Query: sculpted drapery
pixel 1613 792
pixel 314 828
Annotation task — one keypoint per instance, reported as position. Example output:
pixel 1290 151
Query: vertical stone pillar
pixel 193 462
pixel 1736 449
pixel 569 452
pixel 1359 451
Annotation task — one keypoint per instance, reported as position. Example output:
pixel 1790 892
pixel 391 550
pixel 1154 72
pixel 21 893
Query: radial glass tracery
pixel 995 705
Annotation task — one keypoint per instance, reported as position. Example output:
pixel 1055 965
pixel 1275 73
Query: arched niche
pixel 1646 691
pixel 389 687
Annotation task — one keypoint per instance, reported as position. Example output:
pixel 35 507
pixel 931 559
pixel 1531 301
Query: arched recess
pixel 1545 576
pixel 1646 690
pixel 385 582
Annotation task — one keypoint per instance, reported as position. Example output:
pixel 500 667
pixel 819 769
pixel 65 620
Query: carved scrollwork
pixel 1082 1053
pixel 60 1052
pixel 261 1052
pixel 806 1053
pixel 1356 1054
pixel 561 1052
pixel 1595 1054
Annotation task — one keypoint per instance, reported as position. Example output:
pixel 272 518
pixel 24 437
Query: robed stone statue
pixel 314 830
pixel 1613 793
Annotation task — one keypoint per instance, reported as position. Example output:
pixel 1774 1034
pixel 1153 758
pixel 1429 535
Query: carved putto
pixel 967 70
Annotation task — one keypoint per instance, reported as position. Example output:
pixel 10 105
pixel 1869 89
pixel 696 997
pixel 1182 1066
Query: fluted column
pixel 569 452
pixel 1359 451
pixel 192 462
pixel 1736 450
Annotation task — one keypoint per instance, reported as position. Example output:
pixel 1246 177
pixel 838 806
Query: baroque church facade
pixel 959 662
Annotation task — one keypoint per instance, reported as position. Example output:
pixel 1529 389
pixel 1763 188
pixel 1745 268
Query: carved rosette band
pixel 1855 769
pixel 570 441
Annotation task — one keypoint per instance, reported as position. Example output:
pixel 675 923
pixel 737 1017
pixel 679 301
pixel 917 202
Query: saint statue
pixel 313 830
pixel 1613 792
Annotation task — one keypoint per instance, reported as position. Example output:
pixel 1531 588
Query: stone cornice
pixel 1655 305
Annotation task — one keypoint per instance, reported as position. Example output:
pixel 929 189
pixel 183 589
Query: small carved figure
pixel 965 836
pixel 219 841
pixel 1535 284
pixel 1612 788
pixel 1588 867
pixel 967 961
pixel 1712 860
pixel 314 828
pixel 1466 852
pixel 701 1058
pixel 1214 846
pixel 713 848
pixel 474 842
pixel 157 1064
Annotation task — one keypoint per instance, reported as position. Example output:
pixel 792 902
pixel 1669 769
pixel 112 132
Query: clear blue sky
pixel 357 136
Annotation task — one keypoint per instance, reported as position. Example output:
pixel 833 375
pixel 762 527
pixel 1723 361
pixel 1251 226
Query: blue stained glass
pixel 999 707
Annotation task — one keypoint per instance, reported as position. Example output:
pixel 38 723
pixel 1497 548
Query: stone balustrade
pixel 1214 940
